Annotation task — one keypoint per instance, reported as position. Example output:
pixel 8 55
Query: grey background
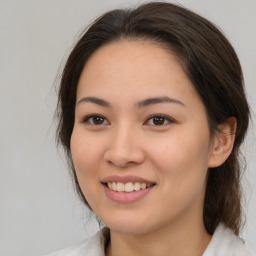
pixel 39 211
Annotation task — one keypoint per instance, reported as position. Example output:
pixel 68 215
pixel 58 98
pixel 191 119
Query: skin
pixel 175 154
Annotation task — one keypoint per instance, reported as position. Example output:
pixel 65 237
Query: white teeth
pixel 136 186
pixel 110 185
pixel 143 185
pixel 127 187
pixel 114 186
pixel 120 187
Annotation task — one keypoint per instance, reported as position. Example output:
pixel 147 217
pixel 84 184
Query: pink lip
pixel 125 179
pixel 126 197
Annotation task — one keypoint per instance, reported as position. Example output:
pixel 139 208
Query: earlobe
pixel 223 142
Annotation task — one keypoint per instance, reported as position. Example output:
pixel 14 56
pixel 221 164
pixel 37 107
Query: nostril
pixel 121 163
pixel 124 155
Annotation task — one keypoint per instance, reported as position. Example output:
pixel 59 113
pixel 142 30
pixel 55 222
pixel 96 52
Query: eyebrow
pixel 156 100
pixel 140 104
pixel 95 100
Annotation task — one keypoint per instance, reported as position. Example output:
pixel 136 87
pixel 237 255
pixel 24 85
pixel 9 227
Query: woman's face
pixel 140 122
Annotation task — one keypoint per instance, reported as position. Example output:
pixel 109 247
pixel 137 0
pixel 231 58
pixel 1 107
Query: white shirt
pixel 223 243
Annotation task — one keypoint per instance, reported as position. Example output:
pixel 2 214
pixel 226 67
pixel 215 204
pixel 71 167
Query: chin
pixel 127 225
pixel 128 228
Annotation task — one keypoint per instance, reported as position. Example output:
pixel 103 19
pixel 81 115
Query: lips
pixel 126 188
pixel 127 183
pixel 126 179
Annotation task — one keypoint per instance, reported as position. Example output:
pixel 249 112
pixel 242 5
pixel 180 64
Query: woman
pixel 152 112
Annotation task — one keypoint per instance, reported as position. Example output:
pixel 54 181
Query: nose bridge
pixel 124 147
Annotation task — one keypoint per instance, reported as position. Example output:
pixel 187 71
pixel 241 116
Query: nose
pixel 124 148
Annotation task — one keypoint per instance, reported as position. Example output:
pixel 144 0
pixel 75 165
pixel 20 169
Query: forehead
pixel 137 68
pixel 126 56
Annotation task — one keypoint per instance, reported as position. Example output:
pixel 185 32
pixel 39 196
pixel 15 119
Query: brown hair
pixel 210 63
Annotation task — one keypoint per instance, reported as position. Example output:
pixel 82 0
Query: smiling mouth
pixel 128 186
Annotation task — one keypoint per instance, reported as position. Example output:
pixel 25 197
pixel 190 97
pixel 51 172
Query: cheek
pixel 182 161
pixel 180 150
pixel 85 155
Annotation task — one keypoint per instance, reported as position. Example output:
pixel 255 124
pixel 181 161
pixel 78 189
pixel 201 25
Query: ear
pixel 222 143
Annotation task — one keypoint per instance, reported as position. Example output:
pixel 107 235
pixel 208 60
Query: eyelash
pixel 167 120
pixel 91 116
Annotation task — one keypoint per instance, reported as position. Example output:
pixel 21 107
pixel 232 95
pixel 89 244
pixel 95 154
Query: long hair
pixel 211 64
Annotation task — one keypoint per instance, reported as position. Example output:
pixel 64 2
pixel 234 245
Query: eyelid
pixel 86 118
pixel 169 119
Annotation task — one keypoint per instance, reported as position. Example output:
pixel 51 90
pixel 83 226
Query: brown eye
pixel 159 120
pixel 95 120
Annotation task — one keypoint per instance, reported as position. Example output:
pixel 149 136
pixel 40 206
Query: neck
pixel 186 239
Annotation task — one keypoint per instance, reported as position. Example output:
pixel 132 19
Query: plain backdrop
pixel 39 211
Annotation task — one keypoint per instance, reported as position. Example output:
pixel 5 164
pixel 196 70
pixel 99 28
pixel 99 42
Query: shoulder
pixel 94 246
pixel 225 243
